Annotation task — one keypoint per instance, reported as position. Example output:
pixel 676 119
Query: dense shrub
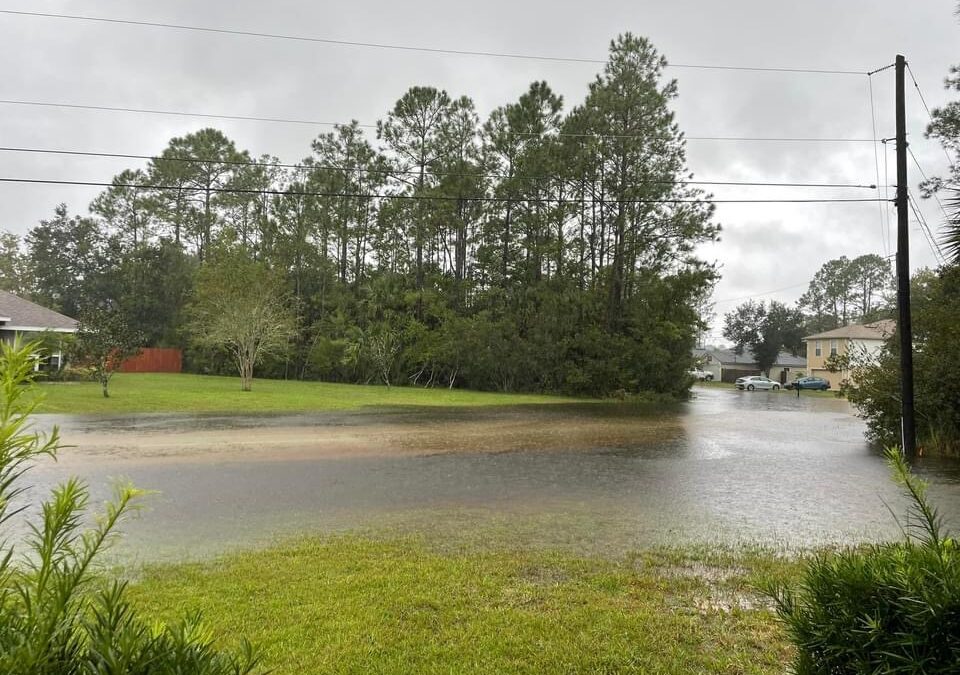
pixel 70 373
pixel 888 608
pixel 874 383
pixel 58 614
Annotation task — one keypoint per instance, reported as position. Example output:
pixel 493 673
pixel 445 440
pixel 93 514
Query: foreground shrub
pixel 57 614
pixel 889 608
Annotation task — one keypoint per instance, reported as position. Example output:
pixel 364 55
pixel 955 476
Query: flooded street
pixel 728 467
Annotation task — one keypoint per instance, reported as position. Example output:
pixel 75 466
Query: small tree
pixel 241 306
pixel 764 330
pixel 104 340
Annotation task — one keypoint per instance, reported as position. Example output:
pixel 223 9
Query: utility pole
pixel 904 324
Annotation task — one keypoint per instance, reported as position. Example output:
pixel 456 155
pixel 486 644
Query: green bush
pixel 58 614
pixel 888 608
pixel 874 382
pixel 70 373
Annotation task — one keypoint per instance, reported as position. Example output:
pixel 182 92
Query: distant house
pixel 866 338
pixel 726 365
pixel 22 317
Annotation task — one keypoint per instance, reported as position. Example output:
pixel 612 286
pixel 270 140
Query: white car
pixel 701 375
pixel 757 382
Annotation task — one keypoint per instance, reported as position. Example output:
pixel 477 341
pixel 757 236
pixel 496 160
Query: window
pixel 833 347
pixel 819 349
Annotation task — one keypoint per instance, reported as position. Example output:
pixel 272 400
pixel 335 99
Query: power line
pixel 387 171
pixel 407 48
pixel 359 195
pixel 924 176
pixel 916 84
pixel 284 120
pixel 884 226
pixel 919 92
pixel 927 233
pixel 758 295
pixel 886 184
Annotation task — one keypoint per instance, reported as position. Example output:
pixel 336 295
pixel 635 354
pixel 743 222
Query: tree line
pixel 843 291
pixel 541 248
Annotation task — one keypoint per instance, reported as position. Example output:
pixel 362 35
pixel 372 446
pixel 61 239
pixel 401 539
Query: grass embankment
pixel 356 605
pixel 205 393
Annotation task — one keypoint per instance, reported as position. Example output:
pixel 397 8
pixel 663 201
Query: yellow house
pixel 867 338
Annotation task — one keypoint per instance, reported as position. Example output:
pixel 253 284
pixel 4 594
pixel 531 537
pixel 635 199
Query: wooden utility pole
pixel 904 324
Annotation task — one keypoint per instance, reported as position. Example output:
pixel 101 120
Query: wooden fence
pixel 154 360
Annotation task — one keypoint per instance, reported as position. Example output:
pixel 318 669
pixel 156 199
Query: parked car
pixel 701 375
pixel 810 383
pixel 757 382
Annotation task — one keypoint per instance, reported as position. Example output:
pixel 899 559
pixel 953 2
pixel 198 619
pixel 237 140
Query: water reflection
pixel 728 467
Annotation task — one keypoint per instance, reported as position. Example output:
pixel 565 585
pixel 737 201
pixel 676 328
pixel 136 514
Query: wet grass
pixel 353 604
pixel 203 393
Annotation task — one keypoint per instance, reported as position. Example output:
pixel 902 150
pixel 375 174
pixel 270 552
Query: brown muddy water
pixel 727 468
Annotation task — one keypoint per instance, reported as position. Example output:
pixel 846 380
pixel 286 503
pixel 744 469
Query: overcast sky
pixel 764 248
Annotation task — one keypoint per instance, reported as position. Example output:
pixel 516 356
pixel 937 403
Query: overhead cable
pixel 283 120
pixel 407 48
pixel 396 171
pixel 927 232
pixel 360 195
pixel 757 295
pixel 884 224
pixel 923 175
pixel 950 161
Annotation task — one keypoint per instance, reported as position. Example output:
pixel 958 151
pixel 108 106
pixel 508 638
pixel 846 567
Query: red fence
pixel 154 360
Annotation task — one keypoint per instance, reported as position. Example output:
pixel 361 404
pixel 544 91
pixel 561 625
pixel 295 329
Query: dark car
pixel 810 383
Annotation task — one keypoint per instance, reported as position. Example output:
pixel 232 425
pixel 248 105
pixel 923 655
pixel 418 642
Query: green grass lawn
pixel 204 393
pixel 358 605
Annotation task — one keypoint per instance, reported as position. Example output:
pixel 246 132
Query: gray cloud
pixel 49 59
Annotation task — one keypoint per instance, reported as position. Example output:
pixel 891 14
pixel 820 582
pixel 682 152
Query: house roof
pixel 878 330
pixel 728 357
pixel 19 314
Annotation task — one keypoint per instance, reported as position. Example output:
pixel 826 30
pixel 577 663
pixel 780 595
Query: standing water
pixel 726 468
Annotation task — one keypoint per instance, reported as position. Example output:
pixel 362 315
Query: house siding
pixel 817 365
pixel 726 366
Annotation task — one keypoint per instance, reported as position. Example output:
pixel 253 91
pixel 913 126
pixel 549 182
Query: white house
pixel 726 365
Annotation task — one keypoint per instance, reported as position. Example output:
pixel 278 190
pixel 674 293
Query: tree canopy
pixel 845 291
pixel 241 306
pixel 545 247
pixel 764 329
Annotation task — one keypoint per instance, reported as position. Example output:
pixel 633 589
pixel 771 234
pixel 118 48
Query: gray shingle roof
pixel 26 314
pixel 878 330
pixel 728 357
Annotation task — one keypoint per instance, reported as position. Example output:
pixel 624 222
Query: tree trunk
pixel 245 366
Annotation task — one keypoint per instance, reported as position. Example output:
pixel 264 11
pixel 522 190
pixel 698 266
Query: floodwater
pixel 728 468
